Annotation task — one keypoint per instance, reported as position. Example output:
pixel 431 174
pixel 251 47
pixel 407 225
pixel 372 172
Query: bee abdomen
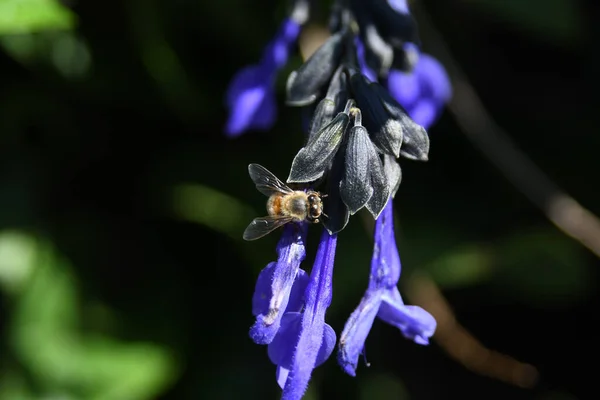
pixel 274 205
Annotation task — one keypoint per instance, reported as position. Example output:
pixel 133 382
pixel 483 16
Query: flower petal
pixel 405 88
pixel 356 330
pixel 281 375
pixel 277 52
pixel 318 298
pixel 296 301
pixel 281 350
pixel 424 112
pixel 433 79
pixel 414 322
pixel 327 346
pixel 291 252
pixel 251 101
pixel 385 263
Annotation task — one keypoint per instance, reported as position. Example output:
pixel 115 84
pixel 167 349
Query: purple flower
pixel 382 299
pixel 424 91
pixel 304 340
pixel 280 286
pixel 251 93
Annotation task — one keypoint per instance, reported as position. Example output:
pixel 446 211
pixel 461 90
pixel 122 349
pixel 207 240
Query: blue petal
pixel 281 350
pixel 281 374
pixel 277 52
pixel 356 330
pixel 291 252
pixel 296 301
pixel 249 77
pixel 364 68
pixel 251 101
pixel 385 263
pixel 318 298
pixel 404 87
pixel 424 112
pixel 433 79
pixel 263 293
pixel 414 322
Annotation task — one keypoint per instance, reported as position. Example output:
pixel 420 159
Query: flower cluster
pixel 370 93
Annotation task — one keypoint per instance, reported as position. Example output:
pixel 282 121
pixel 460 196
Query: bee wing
pixel 266 182
pixel 262 226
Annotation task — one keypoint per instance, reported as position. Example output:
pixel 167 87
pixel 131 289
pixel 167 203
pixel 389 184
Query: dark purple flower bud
pixel 269 305
pixel 415 141
pixel 332 103
pixel 386 131
pixel 305 84
pixel 382 299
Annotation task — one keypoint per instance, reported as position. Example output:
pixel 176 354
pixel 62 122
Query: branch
pixel 477 124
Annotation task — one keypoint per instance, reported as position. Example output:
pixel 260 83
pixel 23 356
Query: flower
pixel 382 299
pixel 304 340
pixel 356 132
pixel 251 94
pixel 280 285
pixel 424 92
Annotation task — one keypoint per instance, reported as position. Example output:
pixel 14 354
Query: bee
pixel 284 204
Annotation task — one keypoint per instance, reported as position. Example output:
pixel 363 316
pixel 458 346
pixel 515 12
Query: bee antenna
pixel 323 195
pixel 325 215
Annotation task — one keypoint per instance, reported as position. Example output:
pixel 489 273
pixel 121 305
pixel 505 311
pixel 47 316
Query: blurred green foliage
pixel 45 333
pixel 28 16
pixel 122 270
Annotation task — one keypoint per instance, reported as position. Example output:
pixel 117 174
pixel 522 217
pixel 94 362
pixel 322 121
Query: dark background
pixel 122 270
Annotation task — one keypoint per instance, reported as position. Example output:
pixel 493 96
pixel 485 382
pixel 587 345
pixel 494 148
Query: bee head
pixel 315 207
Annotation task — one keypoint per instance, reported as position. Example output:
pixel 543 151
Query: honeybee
pixel 284 204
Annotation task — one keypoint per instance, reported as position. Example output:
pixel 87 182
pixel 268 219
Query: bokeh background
pixel 122 270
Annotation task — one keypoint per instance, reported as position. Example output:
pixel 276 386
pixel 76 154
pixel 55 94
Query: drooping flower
pixel 356 133
pixel 383 300
pixel 305 340
pixel 251 93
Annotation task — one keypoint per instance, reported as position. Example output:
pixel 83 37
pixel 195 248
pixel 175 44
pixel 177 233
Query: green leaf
pixel 27 16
